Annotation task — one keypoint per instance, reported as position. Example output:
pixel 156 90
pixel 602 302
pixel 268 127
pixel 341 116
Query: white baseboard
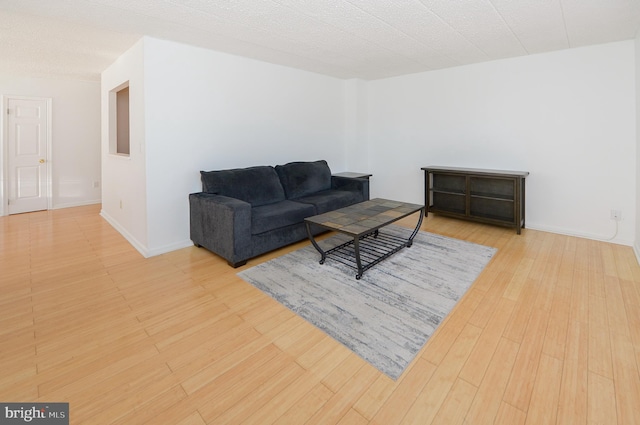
pixel 76 204
pixel 168 248
pixel 62 206
pixel 141 248
pixel 128 236
pixel 585 235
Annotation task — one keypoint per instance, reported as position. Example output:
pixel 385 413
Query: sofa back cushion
pixel 255 185
pixel 304 178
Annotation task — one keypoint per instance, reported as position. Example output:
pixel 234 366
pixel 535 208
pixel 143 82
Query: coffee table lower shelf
pixel 373 248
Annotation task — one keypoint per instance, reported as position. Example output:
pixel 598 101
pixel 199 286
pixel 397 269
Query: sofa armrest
pixel 222 225
pixel 360 185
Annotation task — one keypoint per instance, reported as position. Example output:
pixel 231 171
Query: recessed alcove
pixel 119 134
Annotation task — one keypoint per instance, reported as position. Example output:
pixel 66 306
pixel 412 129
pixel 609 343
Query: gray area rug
pixel 387 316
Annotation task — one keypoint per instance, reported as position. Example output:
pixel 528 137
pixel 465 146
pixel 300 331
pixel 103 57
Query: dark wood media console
pixel 487 196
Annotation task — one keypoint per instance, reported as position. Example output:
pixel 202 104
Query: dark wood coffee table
pixel 363 222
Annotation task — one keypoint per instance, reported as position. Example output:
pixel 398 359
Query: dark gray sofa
pixel 242 213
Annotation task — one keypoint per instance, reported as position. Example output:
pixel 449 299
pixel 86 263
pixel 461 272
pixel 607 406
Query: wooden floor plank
pixel 443 338
pixel 369 403
pixel 251 391
pixel 516 327
pixel 546 392
pixel 599 341
pixel 306 407
pixel 402 398
pixel 556 335
pixel 601 401
pixel 626 379
pixel 485 406
pixel 507 414
pixel 429 401
pixel 479 359
pixel 334 410
pixel 353 417
pixel 455 406
pixel 572 403
pixel 305 391
pixel 616 311
pixel 579 309
pixel 523 376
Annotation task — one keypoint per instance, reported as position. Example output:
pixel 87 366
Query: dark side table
pixel 353 175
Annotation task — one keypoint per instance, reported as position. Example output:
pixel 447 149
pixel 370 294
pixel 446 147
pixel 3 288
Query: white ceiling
pixel 366 39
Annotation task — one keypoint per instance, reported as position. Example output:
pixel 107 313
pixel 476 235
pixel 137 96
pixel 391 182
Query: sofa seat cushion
pixel 329 200
pixel 304 178
pixel 255 185
pixel 280 214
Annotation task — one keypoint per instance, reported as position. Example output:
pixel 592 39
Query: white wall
pixel 124 196
pixel 567 117
pixel 357 137
pixel 205 110
pixel 75 133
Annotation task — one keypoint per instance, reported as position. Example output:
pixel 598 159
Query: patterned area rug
pixel 388 315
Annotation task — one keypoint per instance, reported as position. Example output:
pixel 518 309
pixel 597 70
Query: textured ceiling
pixel 366 39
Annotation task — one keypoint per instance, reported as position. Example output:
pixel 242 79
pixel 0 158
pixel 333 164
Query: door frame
pixel 4 149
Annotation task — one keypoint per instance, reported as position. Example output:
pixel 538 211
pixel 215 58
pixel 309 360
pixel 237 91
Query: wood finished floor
pixel 548 334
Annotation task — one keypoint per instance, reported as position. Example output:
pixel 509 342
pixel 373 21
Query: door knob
pixel 42 161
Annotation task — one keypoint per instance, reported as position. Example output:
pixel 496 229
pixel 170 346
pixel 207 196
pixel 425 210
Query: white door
pixel 27 167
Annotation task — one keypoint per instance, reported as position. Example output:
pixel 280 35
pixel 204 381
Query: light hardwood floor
pixel 548 334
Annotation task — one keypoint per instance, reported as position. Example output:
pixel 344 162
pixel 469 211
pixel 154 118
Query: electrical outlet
pixel 616 215
pixel 121 204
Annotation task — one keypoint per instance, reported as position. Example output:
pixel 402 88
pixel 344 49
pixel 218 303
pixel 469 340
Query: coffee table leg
pixel 415 231
pixel 315 244
pixel 356 248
